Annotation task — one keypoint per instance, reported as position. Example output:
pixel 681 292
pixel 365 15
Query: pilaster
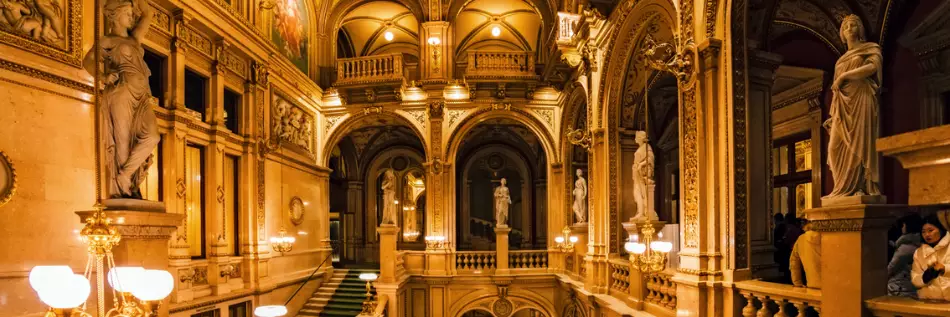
pixel 437 56
pixel 176 67
pixel 597 271
pixel 762 66
pixel 354 221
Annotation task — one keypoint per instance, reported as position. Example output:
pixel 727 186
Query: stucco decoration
pixel 49 28
pixel 7 179
pixel 292 126
pixel 296 210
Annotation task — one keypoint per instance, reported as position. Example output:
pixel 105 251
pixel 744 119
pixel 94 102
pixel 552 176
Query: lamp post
pixel 649 256
pixel 368 304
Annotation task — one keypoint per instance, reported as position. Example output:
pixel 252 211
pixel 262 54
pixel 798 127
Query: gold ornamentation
pixel 160 19
pixel 580 138
pixel 330 122
pixel 837 225
pixel 436 109
pixel 260 74
pixel 51 29
pixel 296 211
pixel 501 106
pixel 690 168
pixel 699 272
pixel 8 183
pixel 454 115
pixel 677 60
pixel 738 100
pixel 36 73
pixel 548 116
pixel 371 110
pixel 711 7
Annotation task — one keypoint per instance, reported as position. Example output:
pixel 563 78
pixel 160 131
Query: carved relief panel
pixel 46 27
pixel 291 125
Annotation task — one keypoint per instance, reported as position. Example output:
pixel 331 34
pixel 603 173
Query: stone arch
pixel 374 169
pixel 533 124
pixel 356 121
pixel 331 14
pixel 485 298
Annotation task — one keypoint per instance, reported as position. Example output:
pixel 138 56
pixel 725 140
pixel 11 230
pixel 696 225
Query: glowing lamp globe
pixel 124 279
pixel 434 41
pixel 559 239
pixel 368 276
pixel 48 276
pixel 70 292
pixel 270 311
pixel 573 239
pixel 388 35
pixel 634 247
pixel 495 31
pixel 155 285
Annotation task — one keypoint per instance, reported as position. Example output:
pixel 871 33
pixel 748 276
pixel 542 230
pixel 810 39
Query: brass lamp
pixel 435 242
pixel 369 303
pixel 649 256
pixel 282 242
pixel 565 242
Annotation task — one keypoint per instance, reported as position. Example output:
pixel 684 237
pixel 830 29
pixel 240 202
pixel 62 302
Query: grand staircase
pixel 342 295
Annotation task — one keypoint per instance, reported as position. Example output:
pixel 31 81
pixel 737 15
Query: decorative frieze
pixel 51 29
pixel 291 125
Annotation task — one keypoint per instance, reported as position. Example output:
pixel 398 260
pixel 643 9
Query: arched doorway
pixel 493 150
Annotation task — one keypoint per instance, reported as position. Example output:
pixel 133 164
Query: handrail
pixel 381 305
pixel 308 278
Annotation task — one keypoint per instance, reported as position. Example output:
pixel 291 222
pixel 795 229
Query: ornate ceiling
pixel 517 23
pixel 502 130
pixel 769 20
pixel 365 30
pixel 635 79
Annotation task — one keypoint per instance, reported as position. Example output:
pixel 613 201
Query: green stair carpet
pixel 348 298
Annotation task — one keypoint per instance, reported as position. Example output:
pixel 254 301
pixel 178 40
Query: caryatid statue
pixel 502 201
pixel 129 131
pixel 389 197
pixel 643 183
pixel 853 119
pixel 580 197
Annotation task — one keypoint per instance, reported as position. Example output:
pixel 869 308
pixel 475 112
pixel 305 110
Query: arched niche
pixel 402 161
pixel 481 173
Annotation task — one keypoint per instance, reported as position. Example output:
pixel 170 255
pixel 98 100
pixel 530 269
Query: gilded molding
pixel 39 74
pixel 837 225
pixel 547 115
pixel 712 6
pixel 69 48
pixel 739 52
pixel 454 115
pixel 699 272
pixel 9 189
pixel 160 19
pixel 330 122
pixel 691 168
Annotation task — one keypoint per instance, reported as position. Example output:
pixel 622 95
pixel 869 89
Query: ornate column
pixel 598 217
pixel 257 250
pixel 215 110
pixel 176 67
pixel 437 54
pixel 438 203
pixel 215 209
pixel 762 66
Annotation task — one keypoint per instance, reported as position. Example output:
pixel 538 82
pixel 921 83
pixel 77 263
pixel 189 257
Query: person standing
pixel 929 272
pixel 898 270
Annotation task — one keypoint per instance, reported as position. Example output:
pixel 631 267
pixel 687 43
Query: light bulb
pixel 659 235
pixel 389 36
pixel 495 31
pixel 638 248
pixel 634 238
pixel 274 240
pixel 396 201
pixel 368 276
pixel 573 239
pixel 48 276
pixel 434 41
pixel 559 239
pixel 70 291
pixel 160 284
pixel 126 279
pixel 270 311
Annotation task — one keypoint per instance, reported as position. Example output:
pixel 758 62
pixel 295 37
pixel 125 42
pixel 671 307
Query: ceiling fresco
pixel 290 31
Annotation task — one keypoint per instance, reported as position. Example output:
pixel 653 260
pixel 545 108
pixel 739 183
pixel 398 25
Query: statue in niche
pixel 129 131
pixel 389 197
pixel 580 198
pixel 502 201
pixel 853 122
pixel 643 183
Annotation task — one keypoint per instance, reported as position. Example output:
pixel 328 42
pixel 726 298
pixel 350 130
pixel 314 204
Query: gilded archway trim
pixel 519 115
pixel 352 122
pixel 486 298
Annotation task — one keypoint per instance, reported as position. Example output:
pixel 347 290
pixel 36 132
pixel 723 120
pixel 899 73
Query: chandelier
pixel 282 243
pixel 435 242
pixel 649 256
pixel 565 242
pixel 137 292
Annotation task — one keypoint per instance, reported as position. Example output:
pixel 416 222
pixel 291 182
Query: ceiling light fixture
pixel 495 31
pixel 389 36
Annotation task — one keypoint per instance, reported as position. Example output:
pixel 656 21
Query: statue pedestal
pixel 144 241
pixel 580 248
pixel 387 252
pixel 925 154
pixel 501 250
pixel 854 257
pixel 854 200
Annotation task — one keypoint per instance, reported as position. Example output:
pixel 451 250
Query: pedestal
pixel 925 154
pixel 501 250
pixel 387 252
pixel 580 248
pixel 144 241
pixel 854 257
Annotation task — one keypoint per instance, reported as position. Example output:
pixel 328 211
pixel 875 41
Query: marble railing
pixel 470 261
pixel 619 275
pixel 528 259
pixel 892 306
pixel 661 290
pixel 500 63
pixel 369 69
pixel 764 299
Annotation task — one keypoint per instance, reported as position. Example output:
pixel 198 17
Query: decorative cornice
pixel 699 272
pixel 50 77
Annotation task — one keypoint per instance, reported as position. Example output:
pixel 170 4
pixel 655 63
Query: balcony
pixel 500 65
pixel 371 70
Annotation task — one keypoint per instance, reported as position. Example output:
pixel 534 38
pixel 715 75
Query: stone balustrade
pixel 764 299
pixel 619 275
pixel 471 261
pixel 370 69
pixel 661 290
pixel 528 259
pixel 500 63
pixel 892 306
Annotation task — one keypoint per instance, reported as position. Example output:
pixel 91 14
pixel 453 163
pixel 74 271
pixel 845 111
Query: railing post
pixel 387 252
pixel 501 249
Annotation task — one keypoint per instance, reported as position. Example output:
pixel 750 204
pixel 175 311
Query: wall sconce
pixel 435 242
pixel 580 138
pixel 677 61
pixel 433 40
pixel 649 256
pixel 282 243
pixel 565 242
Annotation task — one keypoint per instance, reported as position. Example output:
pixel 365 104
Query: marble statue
pixel 129 131
pixel 502 201
pixel 389 197
pixel 853 122
pixel 580 198
pixel 643 183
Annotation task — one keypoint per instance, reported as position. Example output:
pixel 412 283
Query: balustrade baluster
pixel 764 311
pixel 749 309
pixel 801 307
pixel 781 308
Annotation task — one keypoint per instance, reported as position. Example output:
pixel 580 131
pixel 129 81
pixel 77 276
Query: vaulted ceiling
pixel 364 30
pixel 516 23
pixel 770 20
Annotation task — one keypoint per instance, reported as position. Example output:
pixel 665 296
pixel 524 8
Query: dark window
pixel 232 202
pixel 196 92
pixel 232 102
pixel 156 65
pixel 240 310
pixel 946 107
pixel 791 175
pixel 210 313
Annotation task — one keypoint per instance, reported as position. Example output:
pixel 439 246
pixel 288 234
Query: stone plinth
pixel 501 250
pixel 854 256
pixel 926 156
pixel 387 252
